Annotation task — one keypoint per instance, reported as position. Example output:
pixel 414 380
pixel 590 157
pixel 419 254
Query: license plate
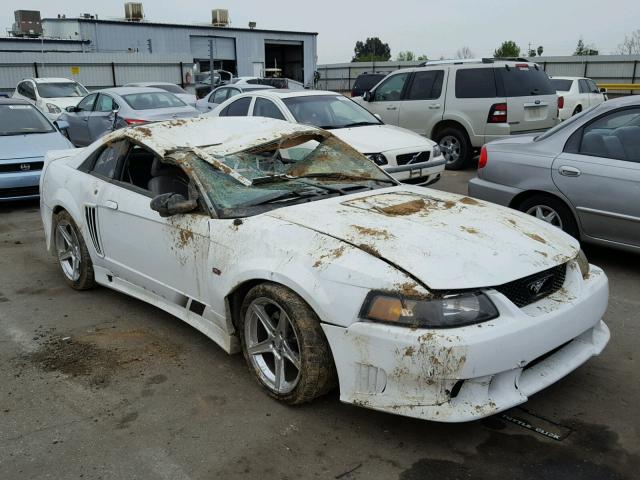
pixel 535 113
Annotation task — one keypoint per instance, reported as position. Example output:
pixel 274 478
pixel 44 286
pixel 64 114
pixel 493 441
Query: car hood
pixel 445 241
pixel 62 102
pixel 34 145
pixel 381 138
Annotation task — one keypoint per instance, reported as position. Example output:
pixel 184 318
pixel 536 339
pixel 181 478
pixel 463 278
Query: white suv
pixel 51 95
pixel 464 104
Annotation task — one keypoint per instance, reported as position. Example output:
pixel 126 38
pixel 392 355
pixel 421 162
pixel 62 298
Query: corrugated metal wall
pixel 94 70
pixel 601 68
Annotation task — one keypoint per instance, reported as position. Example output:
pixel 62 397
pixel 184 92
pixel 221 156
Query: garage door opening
pixel 287 56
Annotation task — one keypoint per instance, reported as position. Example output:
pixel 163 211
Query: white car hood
pixel 62 102
pixel 446 241
pixel 381 138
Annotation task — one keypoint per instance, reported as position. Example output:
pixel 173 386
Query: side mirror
pixel 368 96
pixel 603 90
pixel 169 204
pixel 72 109
pixel 61 125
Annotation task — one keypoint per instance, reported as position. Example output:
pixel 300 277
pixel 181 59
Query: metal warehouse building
pixel 243 51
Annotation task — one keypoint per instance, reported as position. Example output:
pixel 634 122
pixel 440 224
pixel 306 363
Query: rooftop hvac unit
pixel 133 12
pixel 220 17
pixel 27 24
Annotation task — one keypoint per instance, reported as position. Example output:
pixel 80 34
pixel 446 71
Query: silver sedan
pixel 106 110
pixel 582 176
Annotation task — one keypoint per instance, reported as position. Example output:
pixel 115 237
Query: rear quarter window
pixel 476 83
pixel 525 82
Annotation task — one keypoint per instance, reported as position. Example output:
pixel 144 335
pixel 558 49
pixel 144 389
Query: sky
pixel 435 28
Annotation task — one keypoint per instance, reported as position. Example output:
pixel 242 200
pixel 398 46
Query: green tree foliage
pixel 540 49
pixel 582 49
pixel 371 50
pixel 507 49
pixel 407 56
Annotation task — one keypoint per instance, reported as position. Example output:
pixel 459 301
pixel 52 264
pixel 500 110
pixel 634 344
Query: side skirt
pixel 186 313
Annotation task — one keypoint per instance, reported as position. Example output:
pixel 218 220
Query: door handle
pixel 111 204
pixel 569 171
pixel 434 106
pixel 392 108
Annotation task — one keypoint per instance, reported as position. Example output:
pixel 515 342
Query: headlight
pixel 378 158
pixel 583 263
pixel 436 151
pixel 53 108
pixel 455 310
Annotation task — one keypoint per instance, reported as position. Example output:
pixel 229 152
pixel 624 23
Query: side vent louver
pixel 92 226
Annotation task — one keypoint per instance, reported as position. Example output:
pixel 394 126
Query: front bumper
pixel 19 185
pixel 462 374
pixel 418 173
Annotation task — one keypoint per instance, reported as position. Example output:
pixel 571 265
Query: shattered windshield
pixel 296 168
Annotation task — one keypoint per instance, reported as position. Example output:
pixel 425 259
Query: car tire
pixel 554 211
pixel 577 110
pixel 71 250
pixel 295 337
pixel 455 146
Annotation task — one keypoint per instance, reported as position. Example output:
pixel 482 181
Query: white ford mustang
pixel 282 241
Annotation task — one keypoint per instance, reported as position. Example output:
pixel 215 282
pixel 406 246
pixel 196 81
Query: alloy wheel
pixel 450 147
pixel 546 214
pixel 68 249
pixel 272 345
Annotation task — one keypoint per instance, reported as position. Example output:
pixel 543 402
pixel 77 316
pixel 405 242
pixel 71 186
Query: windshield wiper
pixel 279 195
pixel 344 176
pixel 358 124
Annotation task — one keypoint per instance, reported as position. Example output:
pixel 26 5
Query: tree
pixel 532 52
pixel 536 51
pixel 631 44
pixel 407 56
pixel 464 52
pixel 508 49
pixel 371 50
pixel 585 50
pixel 423 58
pixel 540 49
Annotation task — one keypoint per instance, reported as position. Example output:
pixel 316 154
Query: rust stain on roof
pixel 469 201
pixel 536 237
pixel 470 230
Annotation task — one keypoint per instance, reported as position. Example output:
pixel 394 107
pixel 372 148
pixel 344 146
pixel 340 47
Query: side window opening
pixel 107 160
pixel 238 108
pixel 426 85
pixel 476 83
pixel 616 136
pixel 391 89
pixel 136 168
pixel 266 108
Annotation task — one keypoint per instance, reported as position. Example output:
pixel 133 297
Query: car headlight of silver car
pixel 378 158
pixel 448 311
pixel 436 151
pixel 53 108
pixel 583 263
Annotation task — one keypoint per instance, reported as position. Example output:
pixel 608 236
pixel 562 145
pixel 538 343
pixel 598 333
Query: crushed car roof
pixel 214 135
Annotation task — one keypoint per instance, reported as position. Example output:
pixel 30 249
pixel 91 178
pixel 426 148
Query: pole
pixel 35 69
pixel 586 65
pixel 181 75
pixel 113 74
pixel 211 59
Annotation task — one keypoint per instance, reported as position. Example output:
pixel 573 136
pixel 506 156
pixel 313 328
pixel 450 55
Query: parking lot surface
pixel 97 385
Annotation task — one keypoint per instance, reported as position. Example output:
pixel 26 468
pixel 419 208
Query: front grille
pixel 527 290
pixel 18 192
pixel 21 167
pixel 415 157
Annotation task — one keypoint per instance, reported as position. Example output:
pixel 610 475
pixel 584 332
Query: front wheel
pixel 552 211
pixel 73 256
pixel 455 147
pixel 284 345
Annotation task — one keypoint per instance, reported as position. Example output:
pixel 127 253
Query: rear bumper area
pixel 492 192
pixel 462 374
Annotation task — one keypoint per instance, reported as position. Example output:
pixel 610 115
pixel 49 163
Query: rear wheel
pixel 284 345
pixel 455 147
pixel 73 256
pixel 551 210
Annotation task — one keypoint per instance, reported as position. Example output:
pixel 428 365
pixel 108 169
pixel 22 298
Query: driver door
pixel 387 98
pixel 79 121
pixel 164 256
pixel 102 119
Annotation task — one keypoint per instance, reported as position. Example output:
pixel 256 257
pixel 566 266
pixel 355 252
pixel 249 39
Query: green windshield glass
pixel 299 166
